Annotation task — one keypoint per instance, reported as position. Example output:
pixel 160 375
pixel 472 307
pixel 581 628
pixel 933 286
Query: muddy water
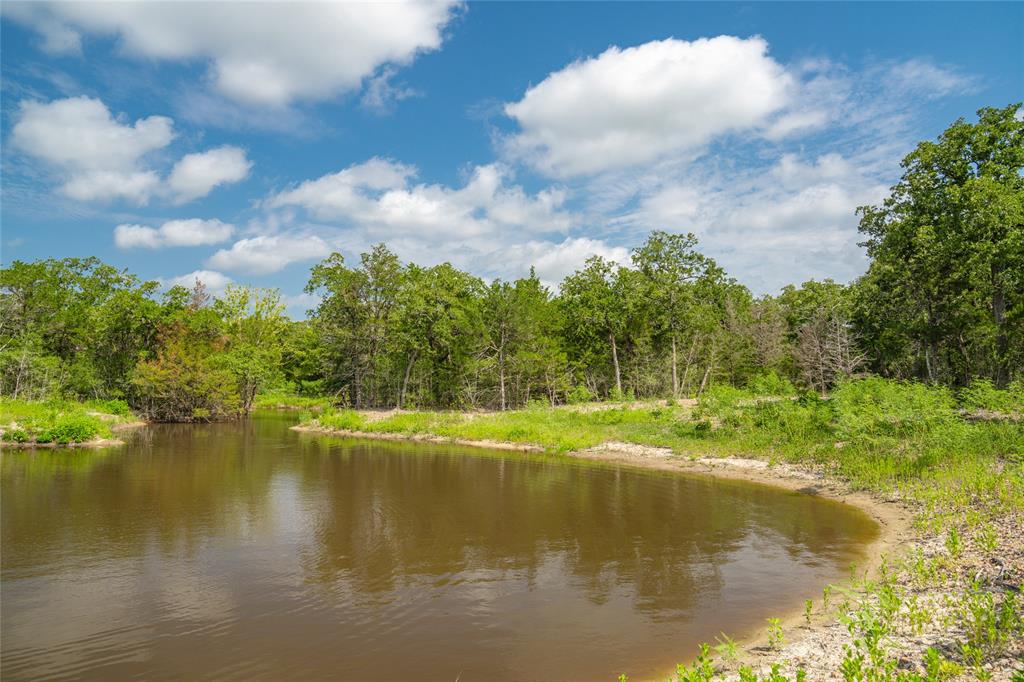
pixel 248 551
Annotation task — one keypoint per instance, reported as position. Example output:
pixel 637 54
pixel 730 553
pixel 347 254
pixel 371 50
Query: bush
pixel 15 436
pixel 983 395
pixel 116 407
pixel 877 407
pixel 724 403
pixel 579 394
pixel 72 428
pixel 771 383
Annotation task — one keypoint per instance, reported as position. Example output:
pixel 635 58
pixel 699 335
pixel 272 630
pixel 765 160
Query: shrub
pixel 723 402
pixel 579 394
pixel 983 395
pixel 116 407
pixel 72 428
pixel 15 436
pixel 877 407
pixel 771 383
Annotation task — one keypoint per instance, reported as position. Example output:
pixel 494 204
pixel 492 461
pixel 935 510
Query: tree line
pixel 942 302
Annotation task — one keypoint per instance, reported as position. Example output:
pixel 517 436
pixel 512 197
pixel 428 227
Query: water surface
pixel 248 551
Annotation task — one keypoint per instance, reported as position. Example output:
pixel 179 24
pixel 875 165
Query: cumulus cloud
pixel 192 232
pixel 97 156
pixel 790 222
pixel 269 253
pixel 634 105
pixel 553 261
pixel 195 175
pixel 215 282
pixel 270 55
pixel 378 196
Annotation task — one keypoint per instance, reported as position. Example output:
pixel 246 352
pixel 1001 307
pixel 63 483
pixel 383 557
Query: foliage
pixel 59 421
pixel 982 394
pixel 944 296
pixel 185 381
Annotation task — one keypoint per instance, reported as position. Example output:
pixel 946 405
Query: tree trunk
pixel 615 361
pixel 405 381
pixel 1002 370
pixel 501 376
pixel 675 372
pixel 704 380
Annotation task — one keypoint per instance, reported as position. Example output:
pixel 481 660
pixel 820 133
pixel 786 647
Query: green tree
pixel 671 265
pixel 254 326
pixel 185 381
pixel 948 243
pixel 594 312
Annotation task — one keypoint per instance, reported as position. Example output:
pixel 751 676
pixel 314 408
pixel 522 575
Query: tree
pixel 949 241
pixel 670 265
pixel 254 324
pixel 593 309
pixel 185 382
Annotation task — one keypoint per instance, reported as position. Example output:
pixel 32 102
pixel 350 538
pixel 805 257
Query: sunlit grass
pixel 59 421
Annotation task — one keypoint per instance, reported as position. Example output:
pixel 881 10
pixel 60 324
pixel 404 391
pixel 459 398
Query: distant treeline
pixel 942 302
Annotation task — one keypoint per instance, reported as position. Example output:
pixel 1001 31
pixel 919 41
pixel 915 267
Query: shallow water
pixel 248 551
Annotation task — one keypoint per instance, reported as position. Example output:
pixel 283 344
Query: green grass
pixel 278 399
pixel 59 421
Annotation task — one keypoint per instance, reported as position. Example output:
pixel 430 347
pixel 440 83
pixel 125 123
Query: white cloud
pixel 553 261
pixel 195 175
pixel 191 232
pixel 378 197
pixel 266 54
pixel 98 156
pixel 789 222
pixel 382 93
pixel 921 76
pixel 269 253
pixel 215 282
pixel 635 105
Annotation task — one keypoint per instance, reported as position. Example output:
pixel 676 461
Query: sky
pixel 244 142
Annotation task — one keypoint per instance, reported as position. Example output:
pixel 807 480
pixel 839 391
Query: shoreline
pixel 90 444
pixel 811 645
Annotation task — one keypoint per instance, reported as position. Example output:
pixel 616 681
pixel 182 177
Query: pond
pixel 249 551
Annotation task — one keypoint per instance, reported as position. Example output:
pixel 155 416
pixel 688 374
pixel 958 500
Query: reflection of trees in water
pixel 401 514
pixel 173 486
pixel 385 516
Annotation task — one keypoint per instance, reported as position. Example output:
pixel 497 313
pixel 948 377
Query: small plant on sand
pixel 808 608
pixel 826 595
pixel 702 669
pixel 775 636
pixel 726 649
pixel 953 543
pixel 937 668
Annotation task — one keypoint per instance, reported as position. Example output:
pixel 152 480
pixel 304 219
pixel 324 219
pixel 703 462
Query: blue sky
pixel 244 142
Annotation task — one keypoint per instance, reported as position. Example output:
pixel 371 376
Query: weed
pixel 726 648
pixel 776 638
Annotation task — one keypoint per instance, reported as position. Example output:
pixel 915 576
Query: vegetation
pixel 59 421
pixel 943 302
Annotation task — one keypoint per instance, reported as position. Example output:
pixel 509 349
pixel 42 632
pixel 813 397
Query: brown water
pixel 248 551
